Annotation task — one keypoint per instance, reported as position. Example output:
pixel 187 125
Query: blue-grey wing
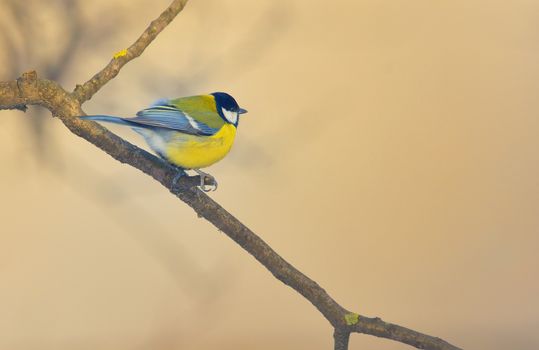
pixel 170 117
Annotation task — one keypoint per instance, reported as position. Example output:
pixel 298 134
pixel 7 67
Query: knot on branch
pixel 27 84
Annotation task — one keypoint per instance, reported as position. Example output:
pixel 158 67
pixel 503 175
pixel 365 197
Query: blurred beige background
pixel 390 153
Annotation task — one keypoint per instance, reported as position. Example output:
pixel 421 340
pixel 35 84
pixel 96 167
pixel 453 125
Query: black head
pixel 227 107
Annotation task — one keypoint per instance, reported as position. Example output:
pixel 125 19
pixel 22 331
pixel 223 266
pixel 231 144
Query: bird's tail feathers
pixel 107 119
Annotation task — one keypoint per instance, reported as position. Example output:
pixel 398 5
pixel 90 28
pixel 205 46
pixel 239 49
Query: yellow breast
pixel 195 152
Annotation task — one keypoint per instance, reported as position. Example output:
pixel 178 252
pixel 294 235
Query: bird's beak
pixel 242 111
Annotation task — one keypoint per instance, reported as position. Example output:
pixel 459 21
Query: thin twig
pixel 341 337
pixel 85 92
pixel 379 328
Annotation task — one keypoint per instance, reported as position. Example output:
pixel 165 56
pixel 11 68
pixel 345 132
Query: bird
pixel 190 133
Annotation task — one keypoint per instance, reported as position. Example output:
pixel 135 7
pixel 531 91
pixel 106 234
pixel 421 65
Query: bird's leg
pixel 180 172
pixel 203 177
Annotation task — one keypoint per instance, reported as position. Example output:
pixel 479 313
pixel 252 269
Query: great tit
pixel 188 132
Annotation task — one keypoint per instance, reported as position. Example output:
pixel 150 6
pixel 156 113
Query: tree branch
pixel 377 327
pixel 85 92
pixel 28 89
pixel 341 337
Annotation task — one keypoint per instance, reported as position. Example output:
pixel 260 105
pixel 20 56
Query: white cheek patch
pixel 232 117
